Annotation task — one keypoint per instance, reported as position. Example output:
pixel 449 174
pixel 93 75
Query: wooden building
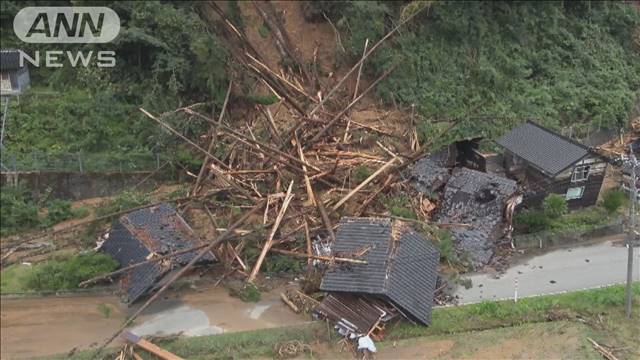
pixel 14 79
pixel 546 162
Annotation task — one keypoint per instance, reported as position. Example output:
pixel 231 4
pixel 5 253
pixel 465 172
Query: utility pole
pixel 633 191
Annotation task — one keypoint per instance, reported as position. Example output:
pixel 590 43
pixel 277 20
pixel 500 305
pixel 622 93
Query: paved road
pixel 561 270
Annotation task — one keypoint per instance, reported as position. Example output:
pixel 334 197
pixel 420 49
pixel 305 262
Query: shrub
pixel 555 205
pixel 530 221
pixel 613 199
pixel 361 173
pixel 17 210
pixel 68 273
pixel 400 206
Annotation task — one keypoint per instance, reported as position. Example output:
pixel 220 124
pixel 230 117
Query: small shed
pixel 547 162
pixel 14 78
pixel 401 266
pixel 142 234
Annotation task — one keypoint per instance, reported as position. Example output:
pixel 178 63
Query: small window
pixel 580 173
pixel 574 193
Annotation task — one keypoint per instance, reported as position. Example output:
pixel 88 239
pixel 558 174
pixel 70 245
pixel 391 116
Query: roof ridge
pixel 568 139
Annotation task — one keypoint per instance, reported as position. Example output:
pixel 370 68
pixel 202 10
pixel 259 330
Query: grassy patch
pixel 57 274
pixel 400 205
pixel 13 279
pixel 105 310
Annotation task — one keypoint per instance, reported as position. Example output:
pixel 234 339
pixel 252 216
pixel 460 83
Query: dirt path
pixel 46 326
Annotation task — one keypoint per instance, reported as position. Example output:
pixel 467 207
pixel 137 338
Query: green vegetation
pixel 399 205
pixel 613 199
pixel 19 212
pixel 277 263
pixel 62 273
pixel 105 310
pixel 165 58
pixel 246 292
pixel 361 173
pixel 554 217
pixel 128 199
pixel 600 309
pixel 492 64
pixel 555 205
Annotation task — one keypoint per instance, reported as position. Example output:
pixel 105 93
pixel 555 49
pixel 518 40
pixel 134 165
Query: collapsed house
pixel 399 276
pixel 546 162
pixel 143 234
pixel 479 200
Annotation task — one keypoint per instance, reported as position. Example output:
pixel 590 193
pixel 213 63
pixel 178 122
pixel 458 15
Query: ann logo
pixel 78 26
pixel 66 24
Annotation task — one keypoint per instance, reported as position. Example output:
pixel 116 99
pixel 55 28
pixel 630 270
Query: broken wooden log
pixel 365 182
pixel 286 300
pixel 214 135
pixel 319 257
pixel 228 179
pixel 602 350
pixel 149 347
pixel 267 245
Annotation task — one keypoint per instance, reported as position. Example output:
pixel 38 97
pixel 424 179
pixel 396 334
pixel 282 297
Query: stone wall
pixel 76 186
pixel 546 239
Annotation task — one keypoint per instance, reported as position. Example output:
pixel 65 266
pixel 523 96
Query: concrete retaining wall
pixel 551 239
pixel 76 186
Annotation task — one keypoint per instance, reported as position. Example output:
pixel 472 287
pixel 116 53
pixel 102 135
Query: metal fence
pixel 80 162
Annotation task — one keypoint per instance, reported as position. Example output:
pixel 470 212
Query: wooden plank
pixel 149 346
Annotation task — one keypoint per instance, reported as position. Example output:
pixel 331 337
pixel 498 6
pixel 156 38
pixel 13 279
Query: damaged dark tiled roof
pixel 401 265
pixel 429 175
pixel 475 198
pixel 541 147
pixel 136 235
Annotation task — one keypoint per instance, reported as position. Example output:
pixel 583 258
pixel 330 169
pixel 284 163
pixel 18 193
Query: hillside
pixel 489 65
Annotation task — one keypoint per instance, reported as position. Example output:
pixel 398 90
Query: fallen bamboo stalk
pixel 267 245
pixel 195 259
pixel 150 347
pixel 286 300
pixel 324 216
pixel 355 92
pixel 364 183
pixel 307 182
pixel 337 117
pixel 356 65
pixel 319 257
pixel 214 135
pixel 217 172
pixel 421 222
pixel 307 237
pixel 602 350
pixel 368 200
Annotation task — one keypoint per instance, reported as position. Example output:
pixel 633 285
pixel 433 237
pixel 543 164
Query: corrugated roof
pixel 401 265
pixel 543 148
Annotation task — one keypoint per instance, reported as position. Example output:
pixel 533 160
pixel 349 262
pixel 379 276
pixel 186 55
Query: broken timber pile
pixel 300 177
